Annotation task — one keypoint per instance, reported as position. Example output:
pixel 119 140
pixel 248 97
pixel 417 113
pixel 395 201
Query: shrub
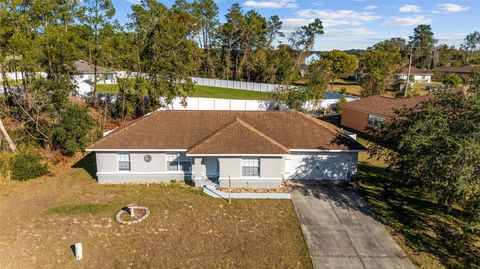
pixel 73 133
pixel 452 80
pixel 27 165
pixel 5 173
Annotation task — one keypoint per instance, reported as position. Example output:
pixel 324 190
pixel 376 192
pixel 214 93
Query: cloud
pixel 136 2
pixel 338 17
pixel 370 7
pixel 449 7
pixel 410 8
pixel 408 21
pixel 350 32
pixel 271 4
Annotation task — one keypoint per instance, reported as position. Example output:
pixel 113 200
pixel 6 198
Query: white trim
pixel 326 150
pixel 237 155
pixel 135 150
pixel 145 173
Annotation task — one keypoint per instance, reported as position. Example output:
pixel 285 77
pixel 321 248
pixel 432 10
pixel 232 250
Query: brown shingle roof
pixel 455 69
pixel 384 106
pixel 238 137
pixel 415 71
pixel 249 132
pixel 84 67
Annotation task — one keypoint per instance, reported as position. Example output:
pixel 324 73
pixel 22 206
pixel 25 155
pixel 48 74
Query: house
pixel 313 57
pixel 251 149
pixel 419 75
pixel 83 77
pixel 365 113
pixel 462 71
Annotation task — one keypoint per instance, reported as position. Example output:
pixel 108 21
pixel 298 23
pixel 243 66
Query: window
pixel 374 121
pixel 123 161
pixel 250 167
pixel 179 162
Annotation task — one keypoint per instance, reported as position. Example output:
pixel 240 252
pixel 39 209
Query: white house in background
pixel 419 75
pixel 312 58
pixel 84 76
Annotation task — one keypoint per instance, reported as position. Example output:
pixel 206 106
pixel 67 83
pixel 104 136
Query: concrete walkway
pixel 340 231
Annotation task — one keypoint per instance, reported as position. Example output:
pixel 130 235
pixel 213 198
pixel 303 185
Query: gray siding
pixel 271 170
pixel 300 165
pixel 140 170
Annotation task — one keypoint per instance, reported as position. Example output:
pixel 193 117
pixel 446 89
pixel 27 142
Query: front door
pixel 212 167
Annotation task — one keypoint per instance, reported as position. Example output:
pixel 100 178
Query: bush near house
pixel 27 165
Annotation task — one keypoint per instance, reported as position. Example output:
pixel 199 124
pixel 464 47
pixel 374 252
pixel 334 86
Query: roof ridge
pixel 258 132
pixel 244 124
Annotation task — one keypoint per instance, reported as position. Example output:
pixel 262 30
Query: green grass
pixel 432 238
pixel 107 88
pixel 75 209
pixel 206 92
pixel 225 93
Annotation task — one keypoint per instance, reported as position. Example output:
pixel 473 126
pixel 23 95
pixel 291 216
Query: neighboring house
pixel 83 77
pixel 368 112
pixel 254 149
pixel 313 57
pixel 462 71
pixel 419 75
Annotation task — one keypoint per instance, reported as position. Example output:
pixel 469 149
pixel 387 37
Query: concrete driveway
pixel 341 232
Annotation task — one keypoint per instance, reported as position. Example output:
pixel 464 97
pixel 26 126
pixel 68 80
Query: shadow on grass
pixel 89 164
pixel 418 219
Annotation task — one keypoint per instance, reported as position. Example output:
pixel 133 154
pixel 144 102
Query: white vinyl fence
pixel 233 84
pixel 198 103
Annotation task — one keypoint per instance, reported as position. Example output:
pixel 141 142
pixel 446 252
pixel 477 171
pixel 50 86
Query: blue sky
pixel 359 23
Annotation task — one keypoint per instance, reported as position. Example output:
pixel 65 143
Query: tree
pixel 318 78
pixel 292 97
pixel 303 39
pixel 423 46
pixel 167 54
pixel 435 147
pixel 452 80
pixel 206 12
pixel 338 64
pixel 471 43
pixel 97 16
pixel 73 133
pixel 274 25
pixel 379 64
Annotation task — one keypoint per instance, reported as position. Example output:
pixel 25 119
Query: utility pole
pixel 409 71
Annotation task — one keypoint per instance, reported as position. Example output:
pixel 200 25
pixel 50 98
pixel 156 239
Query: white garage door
pixel 327 166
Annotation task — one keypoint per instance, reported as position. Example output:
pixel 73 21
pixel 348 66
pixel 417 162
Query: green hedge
pixel 27 165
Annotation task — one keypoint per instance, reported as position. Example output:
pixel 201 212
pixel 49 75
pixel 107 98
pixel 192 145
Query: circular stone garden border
pixel 128 210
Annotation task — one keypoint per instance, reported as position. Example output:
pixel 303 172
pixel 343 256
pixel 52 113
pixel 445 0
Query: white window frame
pixel 179 158
pixel 119 154
pixel 247 162
pixel 374 120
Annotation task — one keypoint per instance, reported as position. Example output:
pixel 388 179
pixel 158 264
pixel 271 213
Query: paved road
pixel 341 232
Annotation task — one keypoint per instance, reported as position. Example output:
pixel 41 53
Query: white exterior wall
pixel 417 78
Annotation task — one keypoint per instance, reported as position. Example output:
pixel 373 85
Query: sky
pixel 358 24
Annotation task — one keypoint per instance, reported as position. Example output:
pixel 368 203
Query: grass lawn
pixel 225 93
pixel 41 218
pixel 431 238
pixel 107 88
pixel 207 92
